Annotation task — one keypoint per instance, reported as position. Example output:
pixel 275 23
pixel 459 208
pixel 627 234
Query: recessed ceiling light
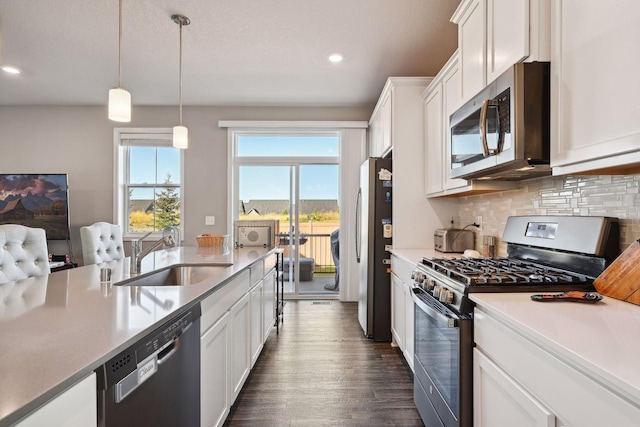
pixel 336 57
pixel 10 70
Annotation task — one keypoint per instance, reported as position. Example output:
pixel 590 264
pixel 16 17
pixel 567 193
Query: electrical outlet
pixel 479 222
pixel 209 220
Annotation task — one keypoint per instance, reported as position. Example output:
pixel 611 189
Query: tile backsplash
pixel 606 195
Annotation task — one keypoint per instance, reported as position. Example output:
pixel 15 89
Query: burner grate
pixel 500 271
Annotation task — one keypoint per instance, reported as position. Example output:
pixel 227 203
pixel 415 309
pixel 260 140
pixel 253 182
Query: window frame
pixel 144 137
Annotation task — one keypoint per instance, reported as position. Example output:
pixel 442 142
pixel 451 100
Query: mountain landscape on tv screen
pixel 38 201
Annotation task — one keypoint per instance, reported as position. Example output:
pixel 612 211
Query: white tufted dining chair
pixel 23 252
pixel 101 242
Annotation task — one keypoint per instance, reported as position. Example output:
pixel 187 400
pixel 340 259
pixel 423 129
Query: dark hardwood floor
pixel 321 371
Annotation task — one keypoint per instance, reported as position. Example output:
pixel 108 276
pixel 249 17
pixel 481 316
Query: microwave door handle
pixel 483 125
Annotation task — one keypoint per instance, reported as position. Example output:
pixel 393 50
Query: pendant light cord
pixel 180 72
pixel 120 47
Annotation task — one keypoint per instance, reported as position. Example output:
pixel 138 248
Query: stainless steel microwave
pixel 503 132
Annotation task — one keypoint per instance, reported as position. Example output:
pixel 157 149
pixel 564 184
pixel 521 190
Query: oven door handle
pixel 449 321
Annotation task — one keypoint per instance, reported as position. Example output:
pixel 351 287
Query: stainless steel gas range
pixel 544 254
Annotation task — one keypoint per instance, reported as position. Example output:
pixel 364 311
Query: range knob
pixel 436 291
pixel 447 297
pixel 430 284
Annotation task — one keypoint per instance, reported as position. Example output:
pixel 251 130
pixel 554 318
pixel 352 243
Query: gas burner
pixel 500 271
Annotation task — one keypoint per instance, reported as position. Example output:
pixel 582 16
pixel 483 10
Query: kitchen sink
pixel 177 275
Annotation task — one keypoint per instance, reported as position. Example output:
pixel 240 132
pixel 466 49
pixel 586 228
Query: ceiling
pixel 235 52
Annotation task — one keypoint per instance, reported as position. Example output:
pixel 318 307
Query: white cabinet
pixel 74 407
pixel 402 313
pixel 240 356
pixel 269 303
pixel 527 379
pixel 495 34
pixel 214 373
pixel 499 401
pixel 594 87
pixel 256 321
pixel 414 217
pixel 397 311
pixel 441 99
pixel 236 320
pixel 471 19
pixel 380 127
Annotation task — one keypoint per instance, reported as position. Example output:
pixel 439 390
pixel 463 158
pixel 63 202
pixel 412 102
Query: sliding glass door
pixel 301 193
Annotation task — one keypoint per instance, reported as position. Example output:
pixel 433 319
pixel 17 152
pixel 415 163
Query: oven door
pixel 443 388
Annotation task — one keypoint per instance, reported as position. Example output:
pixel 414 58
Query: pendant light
pixel 180 133
pixel 119 98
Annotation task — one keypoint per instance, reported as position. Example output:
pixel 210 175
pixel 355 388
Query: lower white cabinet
pixel 402 309
pixel 214 373
pixel 240 355
pixel 397 311
pixel 74 407
pixel 236 320
pixel 269 303
pixel 526 383
pixel 499 401
pixel 255 329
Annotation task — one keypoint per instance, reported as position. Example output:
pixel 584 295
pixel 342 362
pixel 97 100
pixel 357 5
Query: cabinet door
pixel 269 303
pixel 472 45
pixel 507 35
pixel 75 407
pixel 451 101
pixel 256 321
pixel 499 401
pixel 594 86
pixel 433 117
pixel 386 121
pixel 214 373
pixel 409 326
pixel 240 356
pixel 397 311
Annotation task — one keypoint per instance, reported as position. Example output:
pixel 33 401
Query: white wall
pixel 78 140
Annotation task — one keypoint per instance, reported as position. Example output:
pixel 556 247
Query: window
pixel 149 179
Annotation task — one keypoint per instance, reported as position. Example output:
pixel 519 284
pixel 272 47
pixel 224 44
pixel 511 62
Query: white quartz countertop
pixel 414 256
pixel 602 340
pixel 55 329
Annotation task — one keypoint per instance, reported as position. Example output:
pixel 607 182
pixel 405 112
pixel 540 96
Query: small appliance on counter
pixel 453 240
pixel 260 233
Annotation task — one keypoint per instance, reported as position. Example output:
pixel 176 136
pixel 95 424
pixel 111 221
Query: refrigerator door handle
pixel 358 209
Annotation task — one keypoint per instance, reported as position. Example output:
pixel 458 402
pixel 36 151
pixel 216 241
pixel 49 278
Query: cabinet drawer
pixel 218 303
pixel 257 271
pixel 270 262
pixel 402 268
pixel 570 394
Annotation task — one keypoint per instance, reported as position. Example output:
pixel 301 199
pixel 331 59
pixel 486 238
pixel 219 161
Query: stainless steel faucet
pixel 137 253
pixel 174 232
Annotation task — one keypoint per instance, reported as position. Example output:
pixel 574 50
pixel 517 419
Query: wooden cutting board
pixel 621 280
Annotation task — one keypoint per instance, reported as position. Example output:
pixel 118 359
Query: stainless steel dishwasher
pixel 155 382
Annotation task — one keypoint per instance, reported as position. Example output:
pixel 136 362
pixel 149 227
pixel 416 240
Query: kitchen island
pixel 57 329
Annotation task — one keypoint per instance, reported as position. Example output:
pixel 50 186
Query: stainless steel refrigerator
pixel 373 241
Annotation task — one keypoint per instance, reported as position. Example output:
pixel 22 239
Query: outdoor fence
pixel 316 246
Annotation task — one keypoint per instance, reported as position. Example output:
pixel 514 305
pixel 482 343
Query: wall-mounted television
pixel 36 200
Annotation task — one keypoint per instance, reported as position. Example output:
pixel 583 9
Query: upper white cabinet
pixel 594 87
pixel 380 127
pixel 441 99
pixel 495 34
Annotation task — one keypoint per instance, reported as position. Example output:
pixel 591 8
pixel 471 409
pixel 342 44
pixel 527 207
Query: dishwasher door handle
pixel 169 351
